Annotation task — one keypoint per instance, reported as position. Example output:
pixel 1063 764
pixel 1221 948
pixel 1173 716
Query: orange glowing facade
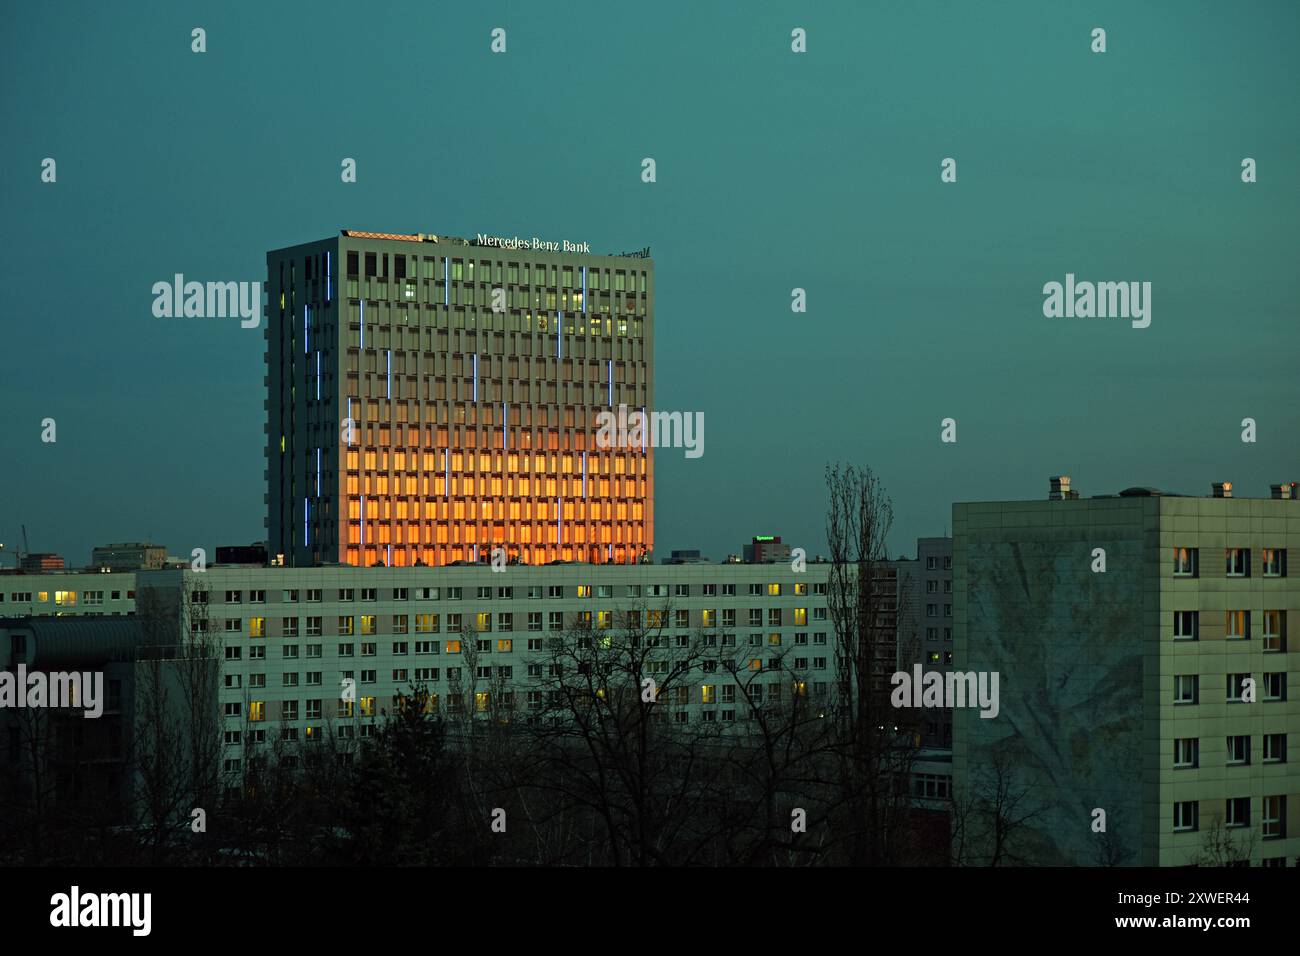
pixel 432 399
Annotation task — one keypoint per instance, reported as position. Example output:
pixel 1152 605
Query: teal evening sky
pixel 775 171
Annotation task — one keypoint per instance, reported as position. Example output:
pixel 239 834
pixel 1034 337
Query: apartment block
pixel 432 399
pixel 925 625
pixel 1146 646
pixel 128 556
pixel 290 637
pixel 59 593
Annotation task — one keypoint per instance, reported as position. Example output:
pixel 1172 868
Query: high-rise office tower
pixel 432 399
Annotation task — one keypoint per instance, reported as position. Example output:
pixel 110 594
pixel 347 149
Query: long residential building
pixel 290 638
pixel 433 399
pixel 59 593
pixel 1146 646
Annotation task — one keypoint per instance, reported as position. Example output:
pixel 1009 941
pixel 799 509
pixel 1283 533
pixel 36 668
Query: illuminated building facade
pixel 432 399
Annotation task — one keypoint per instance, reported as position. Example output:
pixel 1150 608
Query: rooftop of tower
pixel 483 240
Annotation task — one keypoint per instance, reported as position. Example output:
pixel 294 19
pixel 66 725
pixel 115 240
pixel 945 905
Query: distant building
pixel 685 557
pixel 63 593
pixel 766 549
pixel 243 554
pixel 60 761
pixel 130 556
pixel 925 625
pixel 41 562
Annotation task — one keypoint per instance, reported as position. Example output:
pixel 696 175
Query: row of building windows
pixel 484 270
pixel 64 598
pixel 1241 688
pixel 1187 751
pixel 1237 562
pixel 482 621
pixel 706 696
pixel 507 592
pixel 1236 627
pixel 505 645
pixel 1187 815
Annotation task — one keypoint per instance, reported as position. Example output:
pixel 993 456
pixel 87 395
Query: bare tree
pixel 1221 846
pixel 875 746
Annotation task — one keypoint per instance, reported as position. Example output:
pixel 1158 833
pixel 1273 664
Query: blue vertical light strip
pixel 446 282
pixel 446 472
pixel 329 279
pixel 318 376
pixel 505 413
pixel 559 524
pixel 305 513
pixel 584 289
pixel 363 323
pixel 304 329
pixel 475 555
pixel 317 472
pixel 389 353
pixel 584 474
pixel 559 349
pixel 363 530
pixel 390 555
pixel 610 376
pixel 476 376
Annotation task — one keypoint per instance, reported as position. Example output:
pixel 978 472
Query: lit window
pixel 1238 562
pixel 1274 562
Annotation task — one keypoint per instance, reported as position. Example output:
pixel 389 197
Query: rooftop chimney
pixel 1284 490
pixel 1222 489
pixel 1061 488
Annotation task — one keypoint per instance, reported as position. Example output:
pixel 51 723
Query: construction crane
pixel 26 548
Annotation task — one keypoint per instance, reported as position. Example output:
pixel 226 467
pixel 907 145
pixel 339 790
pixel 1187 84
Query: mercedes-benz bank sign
pixel 541 245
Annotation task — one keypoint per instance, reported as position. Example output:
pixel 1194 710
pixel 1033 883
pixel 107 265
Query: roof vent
pixel 1284 490
pixel 1222 489
pixel 1061 488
